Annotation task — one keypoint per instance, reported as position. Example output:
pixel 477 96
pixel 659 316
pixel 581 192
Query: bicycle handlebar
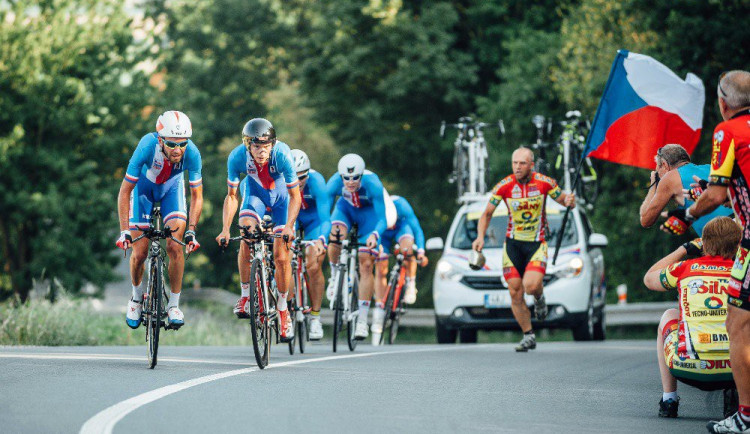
pixel 153 234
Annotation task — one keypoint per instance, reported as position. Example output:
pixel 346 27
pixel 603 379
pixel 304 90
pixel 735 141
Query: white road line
pixel 105 421
pixel 72 356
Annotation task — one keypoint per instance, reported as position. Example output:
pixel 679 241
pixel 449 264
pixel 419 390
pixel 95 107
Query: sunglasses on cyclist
pixel 171 145
pixel 257 142
pixel 302 177
pixel 351 178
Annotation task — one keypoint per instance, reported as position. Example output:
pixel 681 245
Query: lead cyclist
pixel 155 174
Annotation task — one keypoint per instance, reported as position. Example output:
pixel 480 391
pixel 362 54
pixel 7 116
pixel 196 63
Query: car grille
pixel 484 313
pixel 483 282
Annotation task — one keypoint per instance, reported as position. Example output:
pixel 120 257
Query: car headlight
pixel 572 269
pixel 448 271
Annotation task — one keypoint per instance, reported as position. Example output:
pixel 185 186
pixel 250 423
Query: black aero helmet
pixel 258 129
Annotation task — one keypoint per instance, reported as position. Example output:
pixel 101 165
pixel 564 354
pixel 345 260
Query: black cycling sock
pixel 530 332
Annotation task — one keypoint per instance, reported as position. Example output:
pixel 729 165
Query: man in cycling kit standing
pixel 730 167
pixel 362 203
pixel 525 249
pixel 674 173
pixel 314 219
pixel 155 174
pixel 271 184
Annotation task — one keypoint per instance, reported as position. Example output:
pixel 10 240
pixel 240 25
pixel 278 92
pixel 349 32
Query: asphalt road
pixel 610 387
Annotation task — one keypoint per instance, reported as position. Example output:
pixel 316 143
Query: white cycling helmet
pixel 301 162
pixel 351 165
pixel 174 124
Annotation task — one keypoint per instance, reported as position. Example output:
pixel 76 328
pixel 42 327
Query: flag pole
pixel 558 243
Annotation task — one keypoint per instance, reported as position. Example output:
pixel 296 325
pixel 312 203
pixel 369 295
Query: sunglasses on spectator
pixel 351 178
pixel 171 145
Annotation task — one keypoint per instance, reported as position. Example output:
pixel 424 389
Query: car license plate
pixel 495 300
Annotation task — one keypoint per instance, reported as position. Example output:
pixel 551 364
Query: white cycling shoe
pixel 361 332
pixel 410 297
pixel 133 316
pixel 175 317
pixel 378 313
pixel 331 288
pixel 316 329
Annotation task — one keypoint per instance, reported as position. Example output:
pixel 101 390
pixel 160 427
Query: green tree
pixel 70 103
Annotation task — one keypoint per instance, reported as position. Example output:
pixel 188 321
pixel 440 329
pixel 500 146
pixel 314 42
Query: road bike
pixel 470 156
pixel 394 298
pixel 156 298
pixel 264 317
pixel 299 302
pixel 345 303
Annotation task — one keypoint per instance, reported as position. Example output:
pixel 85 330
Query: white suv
pixel 467 300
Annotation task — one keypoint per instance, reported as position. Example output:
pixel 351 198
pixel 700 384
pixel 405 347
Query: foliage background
pixel 82 80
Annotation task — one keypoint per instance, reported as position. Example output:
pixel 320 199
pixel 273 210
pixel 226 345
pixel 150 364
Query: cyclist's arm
pixel 123 203
pixel 196 185
pixel 662 276
pixel 235 166
pixel 230 208
pixel 722 167
pixel 295 202
pixel 322 203
pixel 378 202
pixel 712 198
pixel 413 222
pixel 669 187
pixel 486 217
pixel 334 186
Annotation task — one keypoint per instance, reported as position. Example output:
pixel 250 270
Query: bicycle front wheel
pixel 259 321
pixel 338 308
pixel 392 282
pixel 154 311
pixel 352 323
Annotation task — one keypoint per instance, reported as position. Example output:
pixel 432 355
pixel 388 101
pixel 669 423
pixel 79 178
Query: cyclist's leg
pixel 381 266
pixel 406 243
pixel 666 341
pixel 738 326
pixel 141 204
pixel 174 210
pixel 281 254
pixel 313 262
pixel 515 286
pixel 251 213
pixel 533 277
pixel 341 221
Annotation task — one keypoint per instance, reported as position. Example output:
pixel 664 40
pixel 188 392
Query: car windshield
pixel 466 231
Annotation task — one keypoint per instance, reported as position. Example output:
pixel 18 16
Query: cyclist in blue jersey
pixel 155 174
pixel 314 220
pixel 361 202
pixel 270 184
pixel 674 173
pixel 408 234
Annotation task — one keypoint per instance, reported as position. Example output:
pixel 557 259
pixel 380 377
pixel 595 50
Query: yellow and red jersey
pixel 730 163
pixel 703 287
pixel 526 204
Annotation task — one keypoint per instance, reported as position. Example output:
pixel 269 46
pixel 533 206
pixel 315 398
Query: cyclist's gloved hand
pixel 422 258
pixel 694 248
pixel 191 242
pixel 678 222
pixel 125 240
pixel 372 241
pixel 698 188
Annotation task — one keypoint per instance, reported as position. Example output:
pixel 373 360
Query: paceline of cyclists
pixel 278 183
pixel 704 343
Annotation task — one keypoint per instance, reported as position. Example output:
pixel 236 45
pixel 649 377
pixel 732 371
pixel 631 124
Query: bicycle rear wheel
pixel 388 305
pixel 304 330
pixel 259 321
pixel 338 308
pixel 352 323
pixel 154 313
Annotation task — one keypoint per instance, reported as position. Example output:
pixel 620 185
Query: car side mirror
pixel 434 244
pixel 598 240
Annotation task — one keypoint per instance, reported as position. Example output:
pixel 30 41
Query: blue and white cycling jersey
pixel 267 185
pixel 158 180
pixel 366 206
pixel 407 225
pixel 314 214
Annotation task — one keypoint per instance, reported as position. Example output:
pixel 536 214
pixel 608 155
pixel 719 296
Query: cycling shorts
pixel 522 256
pixel 257 202
pixel 397 234
pixel 311 225
pixel 145 194
pixel 366 219
pixel 710 373
pixel 738 291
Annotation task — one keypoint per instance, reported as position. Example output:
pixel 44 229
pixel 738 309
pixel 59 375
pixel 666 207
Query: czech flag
pixel 644 107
